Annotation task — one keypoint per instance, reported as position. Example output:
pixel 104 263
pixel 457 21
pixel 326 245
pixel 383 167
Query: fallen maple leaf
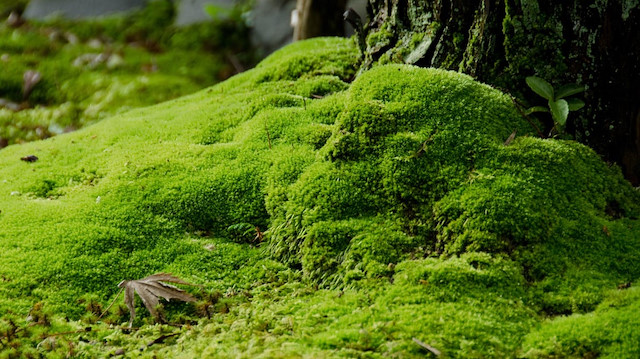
pixel 150 289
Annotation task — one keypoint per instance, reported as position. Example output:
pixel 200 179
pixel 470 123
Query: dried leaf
pixel 433 350
pixel 30 158
pixel 161 339
pixel 511 137
pixel 624 286
pixel 15 20
pixel 31 78
pixel 150 289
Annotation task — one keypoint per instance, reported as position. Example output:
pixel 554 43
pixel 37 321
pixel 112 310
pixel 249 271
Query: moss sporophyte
pixel 390 211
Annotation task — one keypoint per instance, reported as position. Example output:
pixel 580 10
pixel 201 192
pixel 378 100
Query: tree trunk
pixel 503 41
pixel 319 18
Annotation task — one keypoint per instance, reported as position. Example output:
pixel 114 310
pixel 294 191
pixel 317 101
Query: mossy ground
pixel 93 69
pixel 389 207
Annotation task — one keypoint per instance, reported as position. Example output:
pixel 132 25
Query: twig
pixel 18 330
pixel 519 106
pixel 124 329
pixel 423 147
pixel 233 59
pixel 161 339
pixel 87 329
pixel 511 137
pixel 433 350
pixel 110 305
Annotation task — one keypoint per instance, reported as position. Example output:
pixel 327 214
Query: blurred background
pixel 65 64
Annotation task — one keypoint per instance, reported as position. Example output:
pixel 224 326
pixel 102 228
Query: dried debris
pixel 150 289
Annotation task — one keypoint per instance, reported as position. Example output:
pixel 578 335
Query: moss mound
pixel 395 187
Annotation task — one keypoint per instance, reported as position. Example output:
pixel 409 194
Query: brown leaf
pixel 511 137
pixel 30 158
pixel 624 286
pixel 161 339
pixel 428 347
pixel 30 79
pixel 150 289
pixel 15 20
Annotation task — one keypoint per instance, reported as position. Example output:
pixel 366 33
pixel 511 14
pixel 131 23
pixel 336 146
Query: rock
pixel 270 21
pixel 192 11
pixel 118 352
pixel 14 19
pixel 77 9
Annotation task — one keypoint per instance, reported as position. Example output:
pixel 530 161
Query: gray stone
pixel 77 9
pixel 192 11
pixel 270 22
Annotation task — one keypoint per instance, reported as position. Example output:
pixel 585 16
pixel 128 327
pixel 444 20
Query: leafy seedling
pixel 217 12
pixel 559 103
pixel 150 289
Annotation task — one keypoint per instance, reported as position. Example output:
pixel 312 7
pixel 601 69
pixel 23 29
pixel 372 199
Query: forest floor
pixel 61 75
pixel 316 214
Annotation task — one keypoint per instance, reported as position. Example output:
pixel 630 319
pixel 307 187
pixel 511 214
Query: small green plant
pixel 559 103
pixel 217 11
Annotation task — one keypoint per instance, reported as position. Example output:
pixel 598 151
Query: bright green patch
pixel 611 331
pixel 389 207
pixel 94 69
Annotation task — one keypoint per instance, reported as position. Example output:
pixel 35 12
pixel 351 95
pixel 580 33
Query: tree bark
pixel 319 18
pixel 501 42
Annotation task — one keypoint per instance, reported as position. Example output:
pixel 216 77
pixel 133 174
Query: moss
pixel 139 215
pixel 473 274
pixel 12 5
pixel 608 332
pixel 74 92
pixel 305 59
pixel 388 143
pixel 390 206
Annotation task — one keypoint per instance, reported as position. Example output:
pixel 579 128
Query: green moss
pixel 8 6
pixel 397 147
pixel 140 217
pixel 608 332
pixel 139 64
pixel 306 59
pixel 394 194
